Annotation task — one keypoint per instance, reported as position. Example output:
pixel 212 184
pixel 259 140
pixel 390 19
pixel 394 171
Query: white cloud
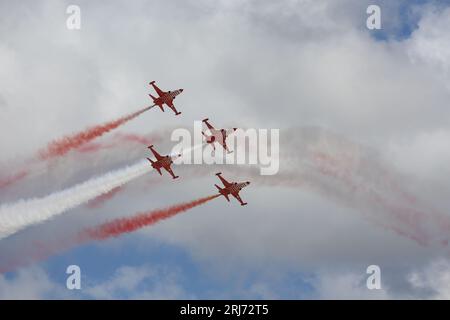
pixel 434 280
pixel 346 285
pixel 29 284
pixel 127 282
pixel 430 43
pixel 142 282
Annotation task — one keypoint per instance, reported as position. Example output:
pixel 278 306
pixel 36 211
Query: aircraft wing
pixel 158 90
pixel 238 198
pixel 225 146
pixel 170 104
pixel 225 182
pixel 155 153
pixel 169 170
pixel 209 126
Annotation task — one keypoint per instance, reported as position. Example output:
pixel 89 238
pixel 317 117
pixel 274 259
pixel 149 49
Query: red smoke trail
pixel 403 220
pixel 100 200
pixel 62 146
pixel 118 139
pixel 93 147
pixel 409 217
pixel 114 228
pixel 120 226
pixel 6 182
pixel 131 137
pixel 80 141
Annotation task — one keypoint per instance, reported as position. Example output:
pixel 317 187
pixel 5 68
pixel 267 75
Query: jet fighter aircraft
pixel 162 162
pixel 231 188
pixel 165 97
pixel 217 135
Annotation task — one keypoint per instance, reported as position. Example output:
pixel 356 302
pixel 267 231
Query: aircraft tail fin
pixel 155 167
pixel 222 193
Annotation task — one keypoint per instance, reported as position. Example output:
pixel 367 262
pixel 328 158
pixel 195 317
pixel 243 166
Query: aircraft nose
pixel 248 182
pixel 181 90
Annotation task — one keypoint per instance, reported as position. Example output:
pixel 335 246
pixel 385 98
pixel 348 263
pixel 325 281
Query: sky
pixel 364 147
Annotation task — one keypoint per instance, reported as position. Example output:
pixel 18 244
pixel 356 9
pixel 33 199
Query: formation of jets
pixel 215 136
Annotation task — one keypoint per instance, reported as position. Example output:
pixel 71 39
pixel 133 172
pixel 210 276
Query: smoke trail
pixel 132 137
pixel 62 146
pixel 118 140
pixel 120 226
pixel 7 181
pixel 101 199
pixel 114 228
pixel 80 141
pixel 16 216
pixel 33 168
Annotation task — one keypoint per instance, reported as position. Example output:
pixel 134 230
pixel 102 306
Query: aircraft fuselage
pixel 168 97
pixel 163 163
pixel 235 188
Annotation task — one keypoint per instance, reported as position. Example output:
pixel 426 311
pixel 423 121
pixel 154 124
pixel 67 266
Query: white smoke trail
pixel 18 215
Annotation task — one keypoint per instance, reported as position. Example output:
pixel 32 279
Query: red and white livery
pixel 231 188
pixel 217 135
pixel 165 98
pixel 162 162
